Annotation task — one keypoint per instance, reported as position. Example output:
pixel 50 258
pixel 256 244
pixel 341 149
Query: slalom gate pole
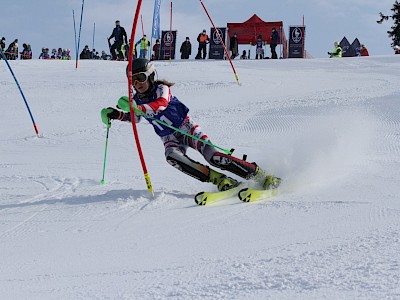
pixel 94 32
pixel 222 42
pixel 76 42
pixel 170 34
pixel 20 90
pixel 130 89
pixel 141 21
pixel 105 156
pixel 184 132
pixel 79 37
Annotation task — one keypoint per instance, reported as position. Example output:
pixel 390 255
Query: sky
pixel 45 23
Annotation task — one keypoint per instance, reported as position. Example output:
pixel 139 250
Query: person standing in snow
pixel 234 46
pixel 203 41
pixel 144 44
pixel 156 50
pixel 274 43
pixel 186 49
pixel 259 48
pixel 153 100
pixel 119 35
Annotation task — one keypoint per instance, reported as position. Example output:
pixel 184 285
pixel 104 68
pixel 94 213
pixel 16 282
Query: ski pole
pixel 105 156
pixel 138 111
pixel 130 89
pixel 20 90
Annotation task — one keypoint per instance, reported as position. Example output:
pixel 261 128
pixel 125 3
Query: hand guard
pixel 123 103
pixel 104 116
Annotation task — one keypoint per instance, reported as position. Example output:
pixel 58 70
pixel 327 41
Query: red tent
pixel 249 30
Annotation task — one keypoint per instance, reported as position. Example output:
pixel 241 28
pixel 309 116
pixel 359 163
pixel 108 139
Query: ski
pixel 251 195
pixel 205 198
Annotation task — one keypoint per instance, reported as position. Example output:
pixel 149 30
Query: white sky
pixel 45 23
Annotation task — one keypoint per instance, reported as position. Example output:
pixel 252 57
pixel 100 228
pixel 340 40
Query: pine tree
pixel 395 33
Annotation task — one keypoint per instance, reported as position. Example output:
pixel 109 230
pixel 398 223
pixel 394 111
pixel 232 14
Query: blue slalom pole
pixel 20 90
pixel 76 43
pixel 79 37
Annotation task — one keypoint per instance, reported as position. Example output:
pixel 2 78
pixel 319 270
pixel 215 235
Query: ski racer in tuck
pixel 153 100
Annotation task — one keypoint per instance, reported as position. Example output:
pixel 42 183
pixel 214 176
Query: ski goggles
pixel 142 76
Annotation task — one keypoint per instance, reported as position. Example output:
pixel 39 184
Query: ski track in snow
pixel 332 232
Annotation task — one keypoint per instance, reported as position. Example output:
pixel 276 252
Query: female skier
pixel 153 99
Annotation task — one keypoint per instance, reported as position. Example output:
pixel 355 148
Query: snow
pixel 329 127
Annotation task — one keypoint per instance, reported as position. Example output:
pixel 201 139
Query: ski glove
pixel 110 113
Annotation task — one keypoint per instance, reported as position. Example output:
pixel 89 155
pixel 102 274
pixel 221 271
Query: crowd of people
pixel 12 53
pixel 119 48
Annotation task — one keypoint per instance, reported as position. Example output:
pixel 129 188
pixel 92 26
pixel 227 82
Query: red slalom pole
pixel 222 42
pixel 130 89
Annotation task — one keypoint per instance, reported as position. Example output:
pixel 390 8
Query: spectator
pixel 59 54
pixel 156 50
pixel 337 52
pixel 3 43
pixel 234 46
pixel 119 35
pixel 396 49
pixel 85 54
pixel 53 54
pixel 186 49
pixel 364 50
pixel 259 48
pixel 66 54
pixel 244 55
pixel 274 43
pixel 203 41
pixel 144 46
pixel 12 50
pixel 105 56
pixel 26 52
pixel 45 54
pixel 96 55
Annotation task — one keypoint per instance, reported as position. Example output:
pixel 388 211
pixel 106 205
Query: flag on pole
pixel 156 20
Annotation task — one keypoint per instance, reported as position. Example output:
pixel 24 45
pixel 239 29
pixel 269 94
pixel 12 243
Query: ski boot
pixel 222 181
pixel 269 182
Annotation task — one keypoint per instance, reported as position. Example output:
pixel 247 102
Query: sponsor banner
pixel 168 44
pixel 216 49
pixel 155 33
pixel 296 41
pixel 355 48
pixel 345 45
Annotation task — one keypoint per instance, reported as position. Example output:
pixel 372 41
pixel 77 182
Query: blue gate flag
pixel 156 20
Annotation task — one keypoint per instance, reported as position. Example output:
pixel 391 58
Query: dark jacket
pixel 186 49
pixel 119 34
pixel 274 37
pixel 233 44
pixel 85 54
